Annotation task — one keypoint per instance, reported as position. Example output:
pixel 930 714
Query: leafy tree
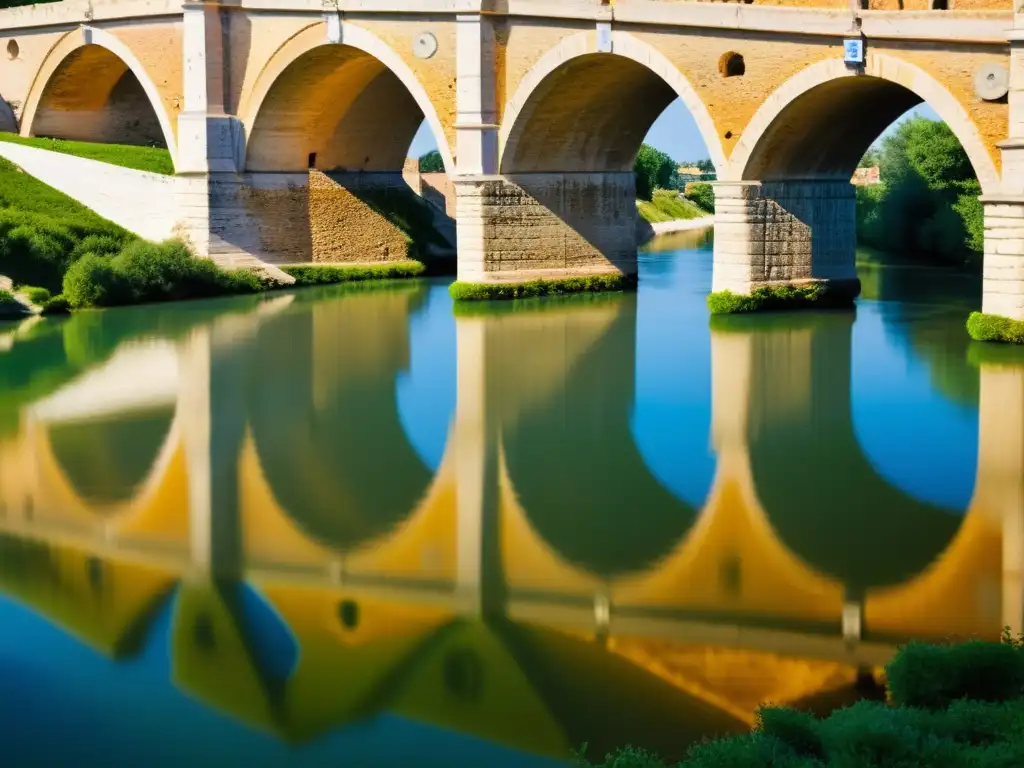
pixel 431 162
pixel 927 205
pixel 871 158
pixel 705 165
pixel 654 170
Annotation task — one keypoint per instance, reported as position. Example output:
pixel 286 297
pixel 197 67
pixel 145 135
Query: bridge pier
pixel 520 227
pixel 779 232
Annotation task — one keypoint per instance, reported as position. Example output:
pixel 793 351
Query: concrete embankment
pixel 645 230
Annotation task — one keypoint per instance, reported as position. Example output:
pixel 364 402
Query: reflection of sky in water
pixel 426 392
pixel 913 435
pixel 130 713
pixel 672 414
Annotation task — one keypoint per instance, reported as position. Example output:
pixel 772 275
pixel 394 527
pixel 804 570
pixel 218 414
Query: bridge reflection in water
pixel 248 476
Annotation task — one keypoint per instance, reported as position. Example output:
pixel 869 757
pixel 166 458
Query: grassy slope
pixel 667 205
pixel 152 159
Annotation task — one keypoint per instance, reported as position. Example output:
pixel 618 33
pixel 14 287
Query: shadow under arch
pixel 822 496
pixel 615 99
pixel 820 122
pixel 573 461
pixel 353 105
pixel 325 421
pixel 91 87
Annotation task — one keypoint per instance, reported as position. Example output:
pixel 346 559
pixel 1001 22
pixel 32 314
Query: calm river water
pixel 357 526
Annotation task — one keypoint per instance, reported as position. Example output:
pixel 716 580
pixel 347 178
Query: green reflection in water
pixel 107 460
pixel 822 495
pixel 324 414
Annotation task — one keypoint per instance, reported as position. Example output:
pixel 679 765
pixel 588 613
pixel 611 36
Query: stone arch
pixel 106 61
pixel 645 78
pixel 272 109
pixel 821 97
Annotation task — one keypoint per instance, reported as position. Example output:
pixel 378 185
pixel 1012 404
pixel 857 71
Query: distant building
pixel 689 170
pixel 866 176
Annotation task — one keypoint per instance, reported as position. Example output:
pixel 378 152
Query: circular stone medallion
pixel 425 45
pixel 991 82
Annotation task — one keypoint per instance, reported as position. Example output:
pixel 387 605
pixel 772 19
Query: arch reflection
pixel 324 417
pixel 540 578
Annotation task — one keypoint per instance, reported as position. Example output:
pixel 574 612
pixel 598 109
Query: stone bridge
pixel 288 119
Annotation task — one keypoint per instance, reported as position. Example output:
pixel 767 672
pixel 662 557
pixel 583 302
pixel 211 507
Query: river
pixel 358 525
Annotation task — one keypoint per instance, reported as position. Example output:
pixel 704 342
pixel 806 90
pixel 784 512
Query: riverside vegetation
pixel 61 255
pixel 949 707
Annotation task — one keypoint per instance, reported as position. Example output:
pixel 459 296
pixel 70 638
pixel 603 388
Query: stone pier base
pixel 545 225
pixel 778 232
pixel 1003 292
pixel 256 219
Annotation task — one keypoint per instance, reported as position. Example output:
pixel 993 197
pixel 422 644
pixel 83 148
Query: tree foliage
pixel 431 162
pixel 926 207
pixel 654 170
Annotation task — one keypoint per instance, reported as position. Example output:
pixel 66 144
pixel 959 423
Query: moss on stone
pixel 984 327
pixel 819 295
pixel 326 274
pixel 556 287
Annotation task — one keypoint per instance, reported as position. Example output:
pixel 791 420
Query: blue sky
pixel 674 133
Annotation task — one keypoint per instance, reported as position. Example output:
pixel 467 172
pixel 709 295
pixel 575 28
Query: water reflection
pixel 235 489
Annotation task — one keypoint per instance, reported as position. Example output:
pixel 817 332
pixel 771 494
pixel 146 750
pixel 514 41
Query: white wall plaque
pixel 604 37
pixel 853 51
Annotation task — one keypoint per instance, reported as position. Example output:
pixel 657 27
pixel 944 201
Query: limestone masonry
pixel 288 123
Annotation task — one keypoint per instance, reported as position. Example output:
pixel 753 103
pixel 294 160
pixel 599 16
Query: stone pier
pixel 545 225
pixel 771 232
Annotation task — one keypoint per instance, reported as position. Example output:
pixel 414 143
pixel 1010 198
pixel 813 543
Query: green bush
pixel 36 294
pixel 500 291
pixel 41 229
pixel 781 297
pixel 58 305
pixel 151 272
pixel 702 194
pixel 982 327
pixel 934 676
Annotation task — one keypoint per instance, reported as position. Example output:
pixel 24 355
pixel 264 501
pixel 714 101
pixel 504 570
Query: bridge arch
pixel 543 130
pixel 822 120
pixel 92 71
pixel 289 115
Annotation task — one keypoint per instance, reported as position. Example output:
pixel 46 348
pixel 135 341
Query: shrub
pixel 58 305
pixel 92 282
pixel 702 194
pixel 36 295
pixel 151 272
pixel 984 327
pixel 798 730
pixel 100 245
pixel 934 676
